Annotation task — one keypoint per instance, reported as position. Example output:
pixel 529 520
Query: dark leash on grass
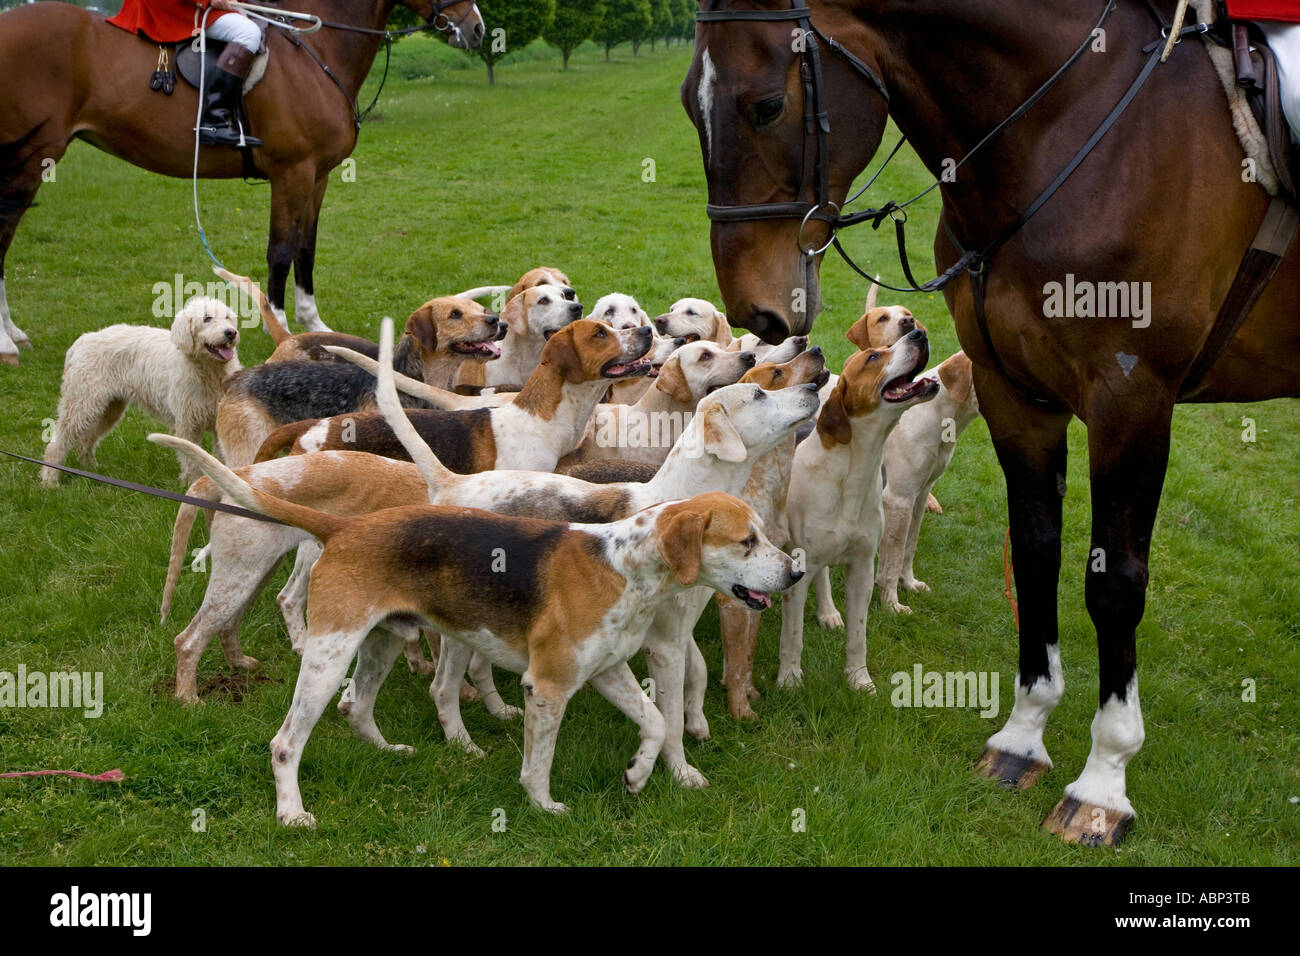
pixel 203 503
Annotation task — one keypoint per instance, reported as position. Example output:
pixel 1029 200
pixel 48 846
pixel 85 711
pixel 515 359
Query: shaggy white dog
pixel 174 376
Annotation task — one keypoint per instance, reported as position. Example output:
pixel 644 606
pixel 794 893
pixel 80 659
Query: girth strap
pixel 1258 266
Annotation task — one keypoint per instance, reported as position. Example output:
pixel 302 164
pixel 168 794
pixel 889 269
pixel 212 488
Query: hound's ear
pixel 680 539
pixel 955 374
pixel 183 333
pixel 561 353
pixel 721 438
pixel 672 381
pixel 422 327
pixel 513 315
pixel 721 329
pixel 857 333
pixel 833 425
pixel 871 297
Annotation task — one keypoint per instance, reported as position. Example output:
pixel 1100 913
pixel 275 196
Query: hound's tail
pixel 437 397
pixel 270 320
pixel 480 291
pixel 185 516
pixel 436 474
pixel 318 524
pixel 282 439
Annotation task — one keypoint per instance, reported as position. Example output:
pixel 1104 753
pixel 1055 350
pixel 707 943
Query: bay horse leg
pixel 291 196
pixel 304 294
pixel 15 197
pixel 1030 440
pixel 1128 448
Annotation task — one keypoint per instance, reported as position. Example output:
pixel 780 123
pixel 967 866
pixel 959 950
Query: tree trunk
pixel 492 79
pixel 566 57
pixel 636 47
pixel 607 46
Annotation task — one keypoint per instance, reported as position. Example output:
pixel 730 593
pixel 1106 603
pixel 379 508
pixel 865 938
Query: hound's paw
pixel 832 621
pixel 688 778
pixel 861 680
pixel 893 607
pixel 49 476
pixel 915 585
pixel 300 819
pixel 740 710
pixel 790 679
pixel 464 743
pixel 697 725
pixel 399 748
pixel 468 692
pixel 246 663
pixel 423 668
pixel 190 699
pixel 504 711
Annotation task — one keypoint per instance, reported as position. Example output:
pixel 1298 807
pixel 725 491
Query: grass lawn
pixel 458 184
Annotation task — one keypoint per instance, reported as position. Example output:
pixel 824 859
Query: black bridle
pixel 817 153
pixel 817 130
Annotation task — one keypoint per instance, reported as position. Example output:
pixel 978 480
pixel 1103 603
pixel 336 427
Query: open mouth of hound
pixel 691 337
pixel 486 348
pixel 755 600
pixel 908 386
pixel 638 366
pixel 222 353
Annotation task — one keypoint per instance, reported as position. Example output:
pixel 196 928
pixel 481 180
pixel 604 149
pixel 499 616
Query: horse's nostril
pixel 478 31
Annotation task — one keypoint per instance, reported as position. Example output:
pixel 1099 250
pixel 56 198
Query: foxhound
pixel 543 422
pixel 833 509
pixel 530 318
pixel 917 454
pixel 561 604
pixel 696 320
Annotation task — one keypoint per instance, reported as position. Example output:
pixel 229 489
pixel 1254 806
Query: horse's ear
pixel 422 327
pixel 680 540
pixel 833 425
pixel 672 381
pixel 858 334
pixel 513 315
pixel 561 353
pixel 955 374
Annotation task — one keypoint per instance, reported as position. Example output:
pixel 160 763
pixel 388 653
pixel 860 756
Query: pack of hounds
pixel 535 490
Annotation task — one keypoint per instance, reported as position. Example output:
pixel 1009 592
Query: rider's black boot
pixel 219 125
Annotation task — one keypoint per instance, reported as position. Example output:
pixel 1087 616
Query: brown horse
pixel 1160 201
pixel 67 74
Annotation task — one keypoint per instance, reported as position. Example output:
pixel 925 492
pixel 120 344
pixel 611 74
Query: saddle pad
pixel 1285 10
pixel 187 63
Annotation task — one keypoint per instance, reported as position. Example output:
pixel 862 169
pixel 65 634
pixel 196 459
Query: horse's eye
pixel 765 112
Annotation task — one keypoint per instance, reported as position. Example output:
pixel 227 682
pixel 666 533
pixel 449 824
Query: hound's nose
pixel 231 335
pixel 816 351
pixel 917 336
pixel 661 323
pixel 795 574
pixel 907 323
pixel 800 343
pixel 645 332
pixel 570 295
pixel 748 359
pixel 575 310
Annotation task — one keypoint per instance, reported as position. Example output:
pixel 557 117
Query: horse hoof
pixel 1013 771
pixel 1087 824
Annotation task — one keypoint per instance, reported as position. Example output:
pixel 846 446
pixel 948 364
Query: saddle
pixel 1248 70
pixel 185 55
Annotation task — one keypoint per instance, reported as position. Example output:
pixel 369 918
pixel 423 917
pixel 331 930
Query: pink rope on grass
pixel 109 776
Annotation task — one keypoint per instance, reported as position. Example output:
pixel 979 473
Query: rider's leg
pixel 225 86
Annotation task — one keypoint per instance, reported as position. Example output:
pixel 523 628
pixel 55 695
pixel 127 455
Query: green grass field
pixel 457 185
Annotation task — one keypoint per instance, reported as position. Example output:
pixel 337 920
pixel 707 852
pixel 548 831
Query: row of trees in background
pixel 567 24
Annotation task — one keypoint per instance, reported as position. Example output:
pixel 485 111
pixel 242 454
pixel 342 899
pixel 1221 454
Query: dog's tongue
pixel 759 596
pixel 492 349
pixel 225 353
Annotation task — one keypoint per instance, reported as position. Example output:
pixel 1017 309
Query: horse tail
pixel 283 438
pixel 270 320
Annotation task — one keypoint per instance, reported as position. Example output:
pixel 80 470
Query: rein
pixel 973 262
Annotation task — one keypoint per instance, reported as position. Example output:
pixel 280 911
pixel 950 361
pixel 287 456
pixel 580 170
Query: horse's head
pixel 752 93
pixel 464 30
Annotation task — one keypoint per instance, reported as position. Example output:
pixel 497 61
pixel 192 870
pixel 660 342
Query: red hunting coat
pixel 1264 10
pixel 163 21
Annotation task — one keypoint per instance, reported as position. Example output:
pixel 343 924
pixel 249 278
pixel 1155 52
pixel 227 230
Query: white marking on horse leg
pixel 10 335
pixel 704 96
pixel 1117 734
pixel 304 310
pixel 1022 735
pixel 281 317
